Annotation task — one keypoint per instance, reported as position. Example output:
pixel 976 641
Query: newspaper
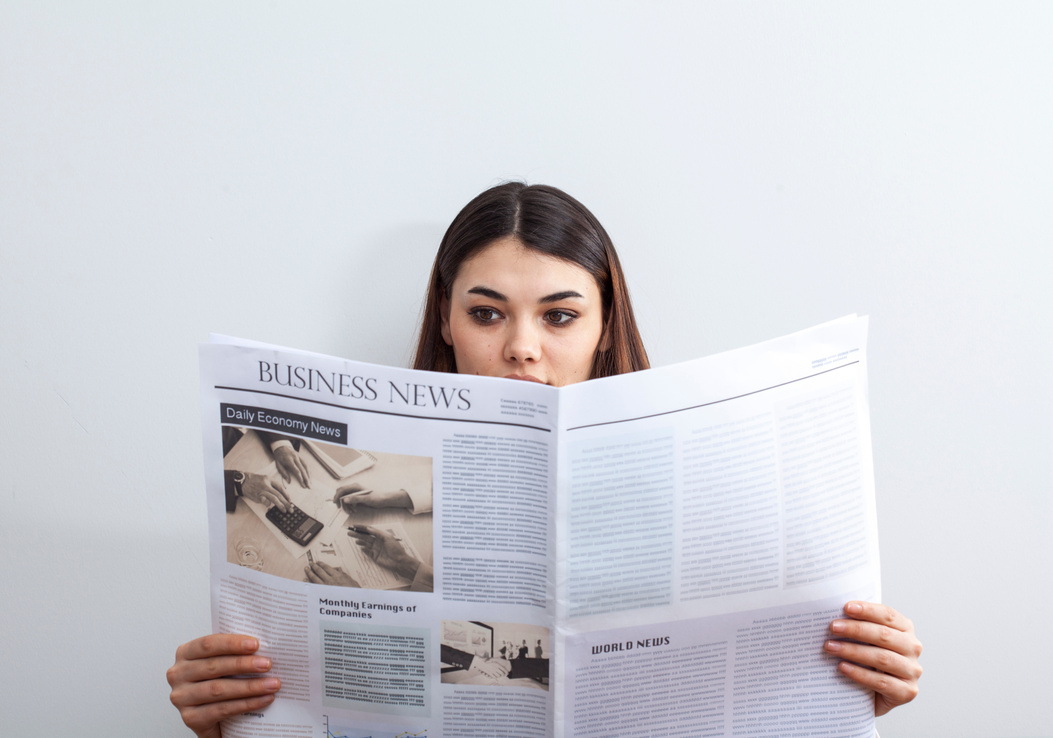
pixel 653 554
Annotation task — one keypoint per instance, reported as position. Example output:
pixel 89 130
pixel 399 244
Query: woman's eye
pixel 559 317
pixel 484 315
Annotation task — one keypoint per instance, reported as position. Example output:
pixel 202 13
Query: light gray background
pixel 285 173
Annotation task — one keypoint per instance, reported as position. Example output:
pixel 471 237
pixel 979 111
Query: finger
pixel 347 489
pixel 312 575
pixel 217 644
pixel 351 500
pixel 882 636
pixel 305 476
pixel 878 659
pixel 360 497
pixel 391 546
pixel 366 541
pixel 366 544
pixel 368 548
pixel 223 690
pixel 364 534
pixel 204 718
pixel 215 668
pixel 293 465
pixel 877 613
pixel 284 497
pixel 276 499
pixel 890 692
pixel 277 487
pixel 343 499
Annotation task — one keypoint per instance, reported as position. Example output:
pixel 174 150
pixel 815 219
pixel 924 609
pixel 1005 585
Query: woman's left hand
pixel 886 657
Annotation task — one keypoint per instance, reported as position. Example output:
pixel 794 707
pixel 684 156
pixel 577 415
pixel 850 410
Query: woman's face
pixel 516 313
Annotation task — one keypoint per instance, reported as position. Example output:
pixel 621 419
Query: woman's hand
pixel 202 687
pixel 885 660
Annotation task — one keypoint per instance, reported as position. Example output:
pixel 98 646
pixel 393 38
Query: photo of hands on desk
pixel 499 654
pixel 312 511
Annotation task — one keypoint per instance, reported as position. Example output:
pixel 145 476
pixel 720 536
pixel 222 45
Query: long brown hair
pixel 551 222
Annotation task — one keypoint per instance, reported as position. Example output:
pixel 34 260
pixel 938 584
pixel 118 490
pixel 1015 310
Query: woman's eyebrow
pixel 554 297
pixel 557 296
pixel 487 292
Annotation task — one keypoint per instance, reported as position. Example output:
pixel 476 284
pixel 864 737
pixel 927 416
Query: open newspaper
pixel 654 554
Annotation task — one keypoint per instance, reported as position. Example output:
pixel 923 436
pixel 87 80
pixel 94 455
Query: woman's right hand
pixel 202 687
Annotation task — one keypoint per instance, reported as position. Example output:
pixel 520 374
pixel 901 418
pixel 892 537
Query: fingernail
pixel 833 646
pixel 250 644
pixel 853 608
pixel 271 684
pixel 262 663
pixel 839 626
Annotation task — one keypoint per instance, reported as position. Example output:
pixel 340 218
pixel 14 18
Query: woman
pixel 527 285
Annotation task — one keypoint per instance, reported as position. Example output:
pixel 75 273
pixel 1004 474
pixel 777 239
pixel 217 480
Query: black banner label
pixel 282 422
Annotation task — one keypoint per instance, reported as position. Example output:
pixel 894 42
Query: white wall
pixel 284 174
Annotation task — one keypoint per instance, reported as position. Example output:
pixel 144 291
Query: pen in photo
pixel 362 531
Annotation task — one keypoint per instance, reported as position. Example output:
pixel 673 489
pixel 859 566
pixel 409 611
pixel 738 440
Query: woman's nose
pixel 523 343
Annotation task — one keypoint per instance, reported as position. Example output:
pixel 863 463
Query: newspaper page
pixel 434 616
pixel 714 517
pixel 654 554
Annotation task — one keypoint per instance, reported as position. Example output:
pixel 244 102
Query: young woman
pixel 526 285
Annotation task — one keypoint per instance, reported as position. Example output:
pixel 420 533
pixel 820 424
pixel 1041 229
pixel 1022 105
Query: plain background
pixel 284 172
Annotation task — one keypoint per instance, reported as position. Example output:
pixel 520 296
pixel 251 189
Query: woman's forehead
pixel 508 265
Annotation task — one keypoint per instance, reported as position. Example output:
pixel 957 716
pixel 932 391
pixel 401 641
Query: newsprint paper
pixel 654 554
